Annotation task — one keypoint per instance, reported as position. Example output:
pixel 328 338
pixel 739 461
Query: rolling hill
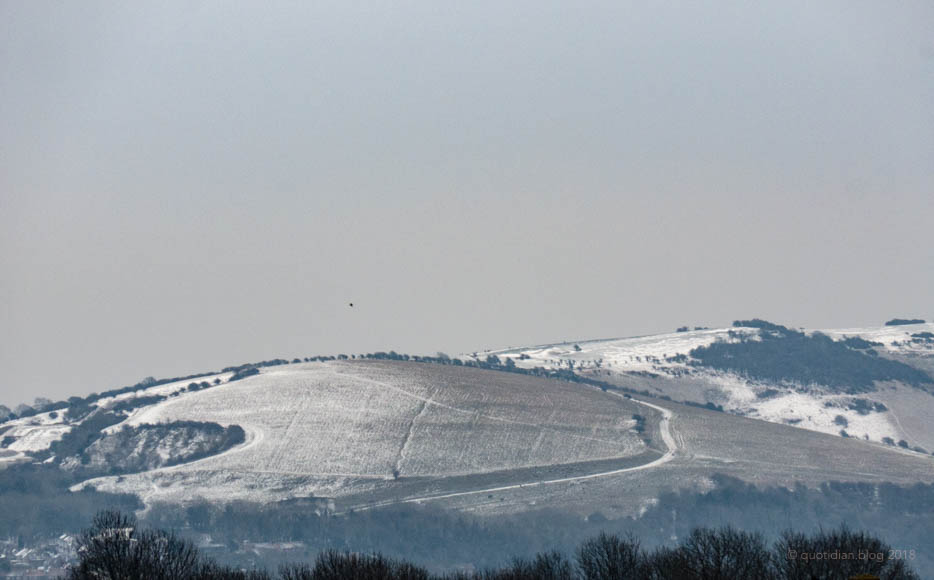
pixel 869 383
pixel 361 434
pixel 342 428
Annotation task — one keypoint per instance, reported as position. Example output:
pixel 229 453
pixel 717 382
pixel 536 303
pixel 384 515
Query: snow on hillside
pixel 160 390
pixel 664 355
pixel 39 431
pixel 641 353
pixel 897 339
pixel 327 429
pixel 35 433
pixel 647 353
pixel 821 413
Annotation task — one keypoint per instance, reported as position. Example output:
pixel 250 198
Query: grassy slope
pixel 344 427
pixel 506 414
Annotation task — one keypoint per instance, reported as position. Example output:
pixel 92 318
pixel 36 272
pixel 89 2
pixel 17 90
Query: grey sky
pixel 185 186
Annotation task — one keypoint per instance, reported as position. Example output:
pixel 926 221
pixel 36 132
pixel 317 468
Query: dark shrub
pixel 547 566
pixel 904 321
pixel 859 343
pixel 334 565
pixel 783 355
pixel 243 373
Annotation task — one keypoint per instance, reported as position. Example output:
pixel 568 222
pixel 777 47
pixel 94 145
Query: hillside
pixel 385 446
pixel 532 443
pixel 360 434
pixel 338 428
pixel 363 434
pixel 869 383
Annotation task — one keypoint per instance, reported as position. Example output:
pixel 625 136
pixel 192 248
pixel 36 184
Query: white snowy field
pixel 366 432
pixel 896 339
pixel 37 432
pixel 640 353
pixel 796 405
pixel 164 390
pixel 648 353
pixel 326 429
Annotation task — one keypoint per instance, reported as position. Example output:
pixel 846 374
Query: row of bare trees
pixel 115 548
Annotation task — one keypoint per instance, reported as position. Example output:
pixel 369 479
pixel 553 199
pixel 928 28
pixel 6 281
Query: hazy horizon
pixel 189 186
pixel 179 371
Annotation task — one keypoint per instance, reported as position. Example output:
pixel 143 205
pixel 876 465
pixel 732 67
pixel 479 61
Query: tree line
pixel 779 354
pixel 115 547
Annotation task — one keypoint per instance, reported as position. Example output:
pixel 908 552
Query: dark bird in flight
pixel 351 304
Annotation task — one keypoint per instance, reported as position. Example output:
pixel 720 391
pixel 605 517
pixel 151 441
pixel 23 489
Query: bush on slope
pixel 778 354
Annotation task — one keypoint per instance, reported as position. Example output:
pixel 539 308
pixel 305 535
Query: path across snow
pixel 664 427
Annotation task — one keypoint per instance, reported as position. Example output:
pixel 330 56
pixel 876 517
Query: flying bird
pixel 351 304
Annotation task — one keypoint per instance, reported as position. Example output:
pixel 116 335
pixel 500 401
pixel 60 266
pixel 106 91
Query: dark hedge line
pixel 904 321
pixel 116 547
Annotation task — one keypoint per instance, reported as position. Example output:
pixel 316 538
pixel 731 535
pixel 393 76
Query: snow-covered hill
pixel 360 434
pixel 24 437
pixel 662 364
pixel 332 429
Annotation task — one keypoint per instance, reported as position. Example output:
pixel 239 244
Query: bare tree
pixel 545 566
pixel 114 548
pixel 838 553
pixel 334 565
pixel 607 557
pixel 715 554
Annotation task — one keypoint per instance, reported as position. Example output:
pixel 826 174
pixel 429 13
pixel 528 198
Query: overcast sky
pixel 185 186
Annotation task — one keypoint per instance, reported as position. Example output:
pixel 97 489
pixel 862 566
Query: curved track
pixel 664 427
